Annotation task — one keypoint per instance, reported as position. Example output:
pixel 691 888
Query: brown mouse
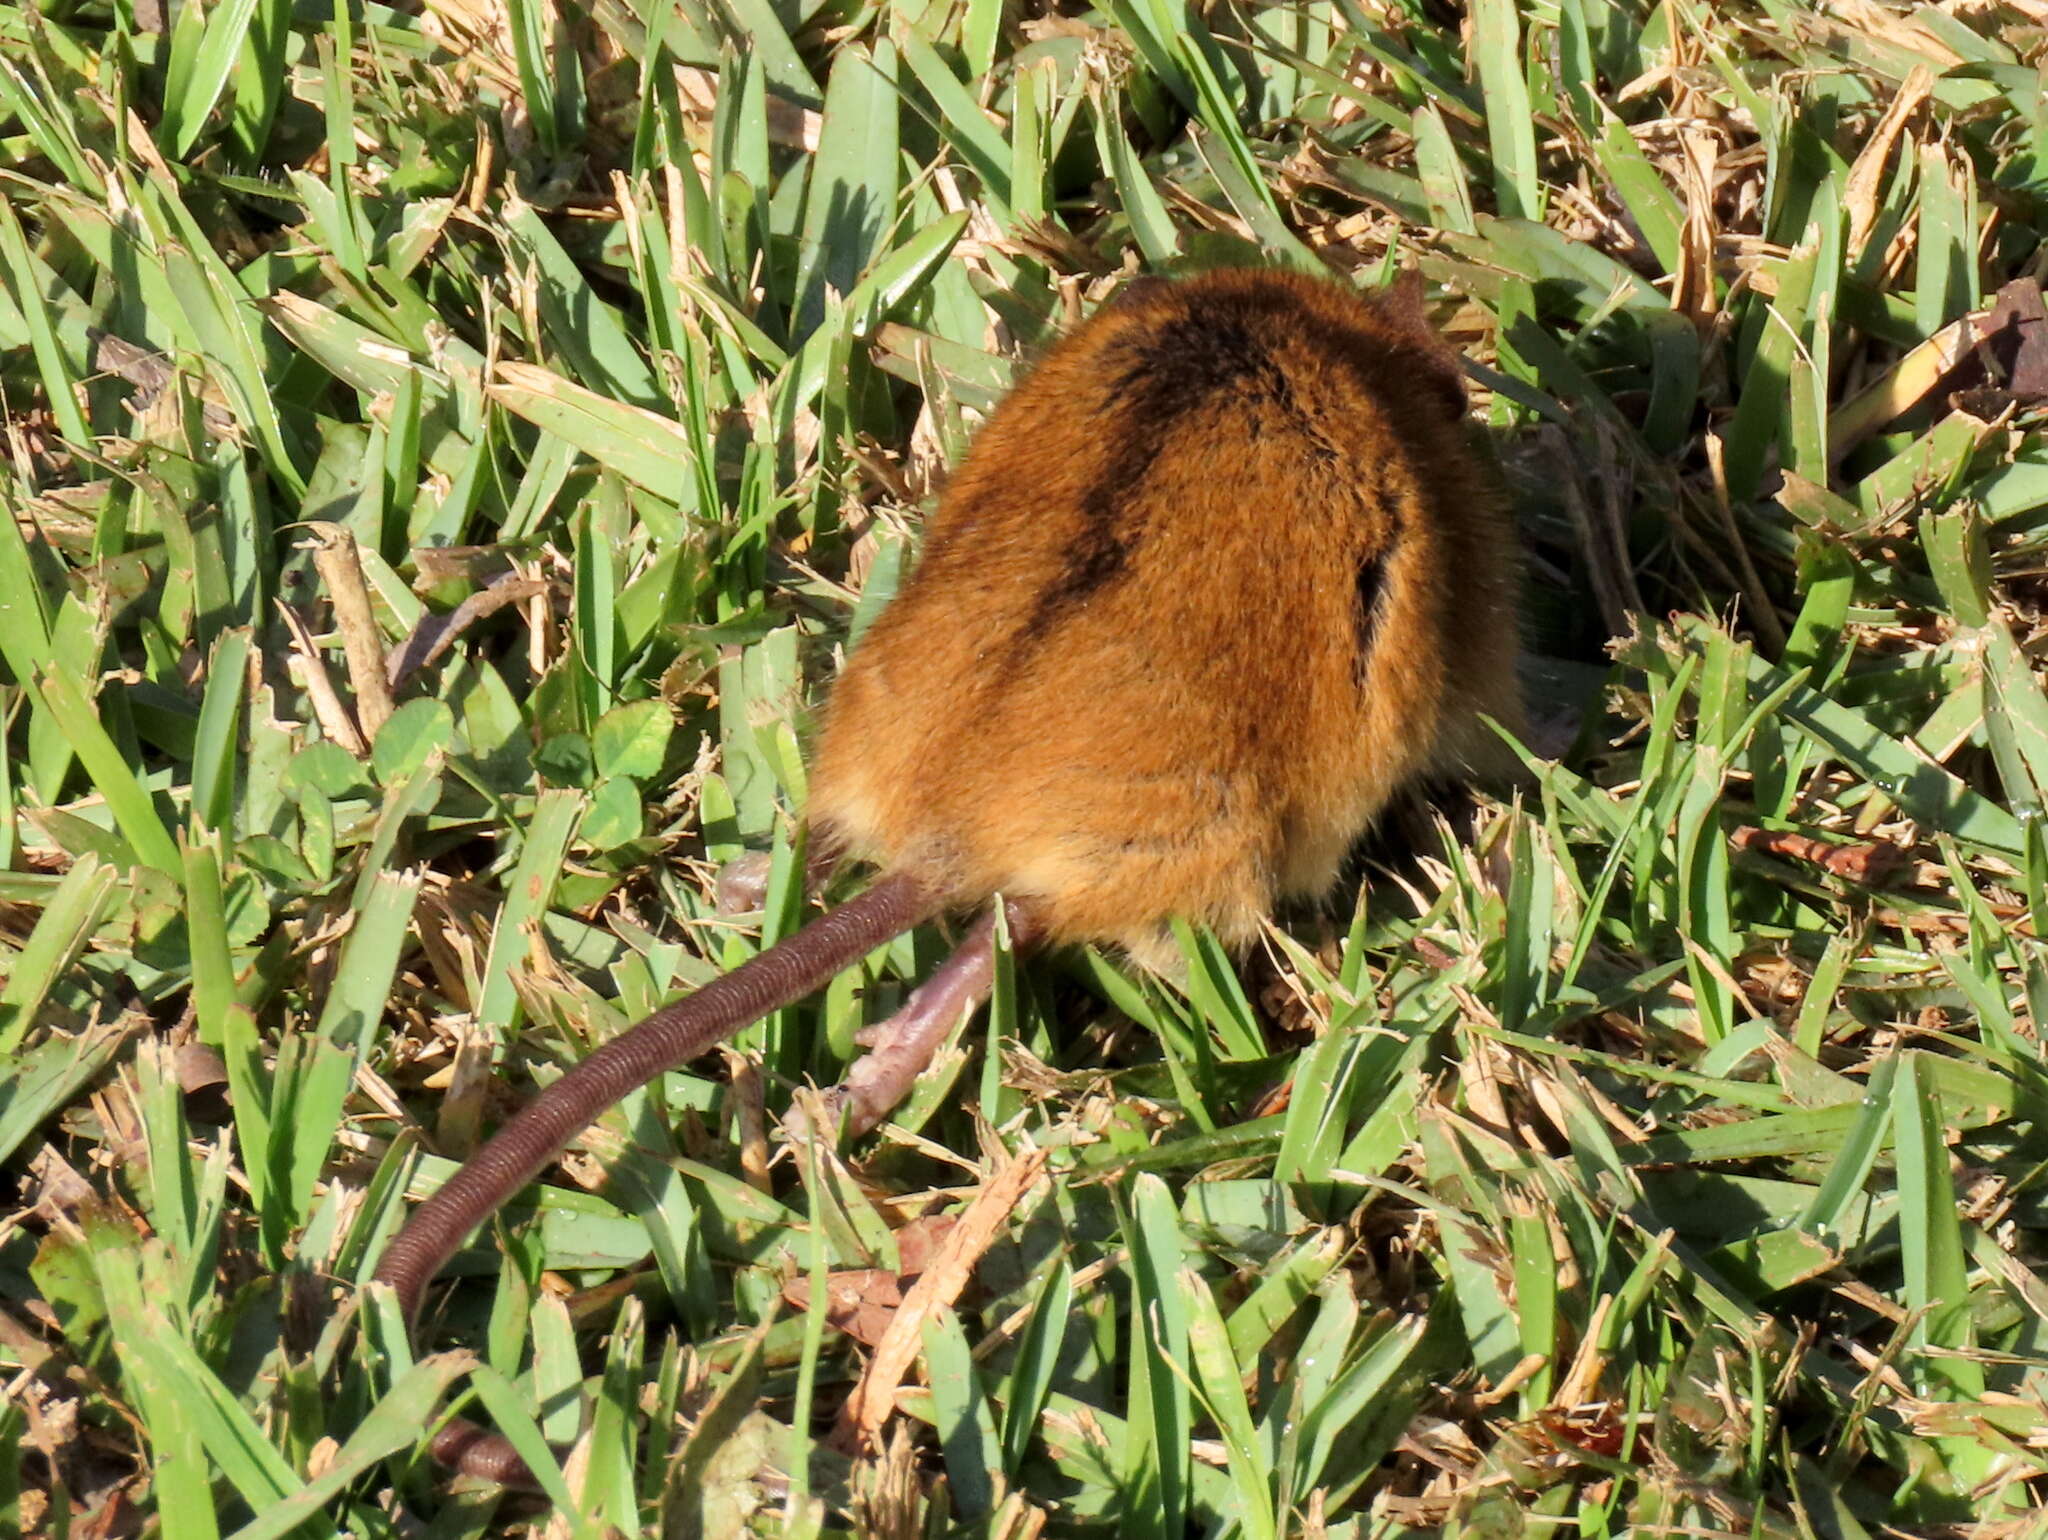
pixel 1214 582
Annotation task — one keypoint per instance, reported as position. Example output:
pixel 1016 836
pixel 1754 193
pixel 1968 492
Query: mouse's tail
pixel 782 975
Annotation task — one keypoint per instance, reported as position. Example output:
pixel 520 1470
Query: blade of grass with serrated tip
pixel 1926 474
pixel 1945 270
pixel 171 1193
pixel 654 266
pixel 615 1416
pixel 334 215
pixel 181 1486
pixel 366 359
pixel 528 889
pixel 1761 409
pixel 68 919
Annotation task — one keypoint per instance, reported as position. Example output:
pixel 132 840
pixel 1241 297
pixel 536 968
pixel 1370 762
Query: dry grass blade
pixel 873 1400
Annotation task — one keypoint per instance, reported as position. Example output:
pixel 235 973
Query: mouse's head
pixel 1214 327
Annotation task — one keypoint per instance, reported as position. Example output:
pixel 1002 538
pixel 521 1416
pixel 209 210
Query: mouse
pixel 1220 577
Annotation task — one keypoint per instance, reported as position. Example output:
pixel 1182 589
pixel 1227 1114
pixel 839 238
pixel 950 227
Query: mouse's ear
pixel 1400 309
pixel 1400 305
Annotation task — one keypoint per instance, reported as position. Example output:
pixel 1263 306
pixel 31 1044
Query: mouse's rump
pixel 1214 581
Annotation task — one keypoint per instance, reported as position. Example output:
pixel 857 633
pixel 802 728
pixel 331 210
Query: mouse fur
pixel 1217 579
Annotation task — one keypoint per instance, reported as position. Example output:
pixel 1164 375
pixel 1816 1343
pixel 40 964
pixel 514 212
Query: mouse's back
pixel 1213 582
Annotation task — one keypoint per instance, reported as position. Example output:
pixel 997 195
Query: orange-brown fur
pixel 1216 580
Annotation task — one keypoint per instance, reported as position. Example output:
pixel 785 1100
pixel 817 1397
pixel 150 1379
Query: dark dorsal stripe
pixel 1160 378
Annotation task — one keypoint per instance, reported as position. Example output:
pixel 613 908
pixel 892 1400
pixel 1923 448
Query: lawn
pixel 448 449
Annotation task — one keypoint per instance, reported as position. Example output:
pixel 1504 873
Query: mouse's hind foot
pixel 902 1047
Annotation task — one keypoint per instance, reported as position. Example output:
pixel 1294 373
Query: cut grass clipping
pixel 446 450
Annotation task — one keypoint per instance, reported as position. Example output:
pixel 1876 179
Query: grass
pixel 447 449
